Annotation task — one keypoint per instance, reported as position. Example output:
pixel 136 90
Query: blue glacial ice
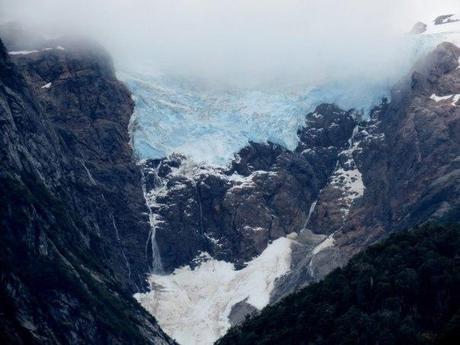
pixel 210 124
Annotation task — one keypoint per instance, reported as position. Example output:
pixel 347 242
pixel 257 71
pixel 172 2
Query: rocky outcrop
pixel 72 213
pixel 444 19
pixel 234 213
pixel 418 28
pixel 407 157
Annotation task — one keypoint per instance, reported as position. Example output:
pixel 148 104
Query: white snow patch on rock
pixel 46 86
pixel 26 52
pixel 328 242
pixel 454 98
pixel 347 176
pixel 193 305
pixel 23 52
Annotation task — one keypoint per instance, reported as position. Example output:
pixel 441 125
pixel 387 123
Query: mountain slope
pixel 65 276
pixel 407 157
pixel 401 291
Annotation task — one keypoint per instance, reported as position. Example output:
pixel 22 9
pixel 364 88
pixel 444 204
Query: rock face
pixel 407 157
pixel 90 111
pixel 233 213
pixel 72 212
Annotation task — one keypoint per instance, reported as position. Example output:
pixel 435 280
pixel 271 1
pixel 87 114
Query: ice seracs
pixel 211 125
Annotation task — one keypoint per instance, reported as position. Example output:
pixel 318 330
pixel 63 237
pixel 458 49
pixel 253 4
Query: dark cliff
pixel 72 214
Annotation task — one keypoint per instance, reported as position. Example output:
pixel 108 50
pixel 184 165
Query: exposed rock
pixel 444 19
pixel 240 312
pixel 407 156
pixel 418 28
pixel 233 213
pixel 71 203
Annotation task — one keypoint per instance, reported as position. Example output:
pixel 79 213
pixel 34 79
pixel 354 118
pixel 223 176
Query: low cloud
pixel 242 40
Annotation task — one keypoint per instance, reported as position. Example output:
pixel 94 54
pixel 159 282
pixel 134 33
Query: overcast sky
pixel 241 38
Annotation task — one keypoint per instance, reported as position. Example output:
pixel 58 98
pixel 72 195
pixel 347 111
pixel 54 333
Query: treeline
pixel 405 290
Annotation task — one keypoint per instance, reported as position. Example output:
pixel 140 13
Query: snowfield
pixel 193 305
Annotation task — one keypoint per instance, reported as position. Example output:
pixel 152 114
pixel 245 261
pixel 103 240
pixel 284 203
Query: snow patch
pixel 193 305
pixel 328 242
pixel 350 181
pixel 347 176
pixel 23 52
pixel 26 52
pixel 454 98
pixel 46 86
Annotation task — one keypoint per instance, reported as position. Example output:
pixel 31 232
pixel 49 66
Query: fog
pixel 242 40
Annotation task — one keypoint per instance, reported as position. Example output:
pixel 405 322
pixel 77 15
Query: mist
pixel 242 40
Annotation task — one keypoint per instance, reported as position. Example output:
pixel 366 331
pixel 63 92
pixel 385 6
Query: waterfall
pixel 117 235
pixel 155 261
pixel 310 212
pixel 156 264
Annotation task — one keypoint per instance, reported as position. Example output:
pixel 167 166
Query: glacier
pixel 209 124
pixel 173 115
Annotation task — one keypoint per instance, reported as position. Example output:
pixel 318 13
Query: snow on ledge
pixel 46 86
pixel 23 52
pixel 27 52
pixel 193 305
pixel 454 97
